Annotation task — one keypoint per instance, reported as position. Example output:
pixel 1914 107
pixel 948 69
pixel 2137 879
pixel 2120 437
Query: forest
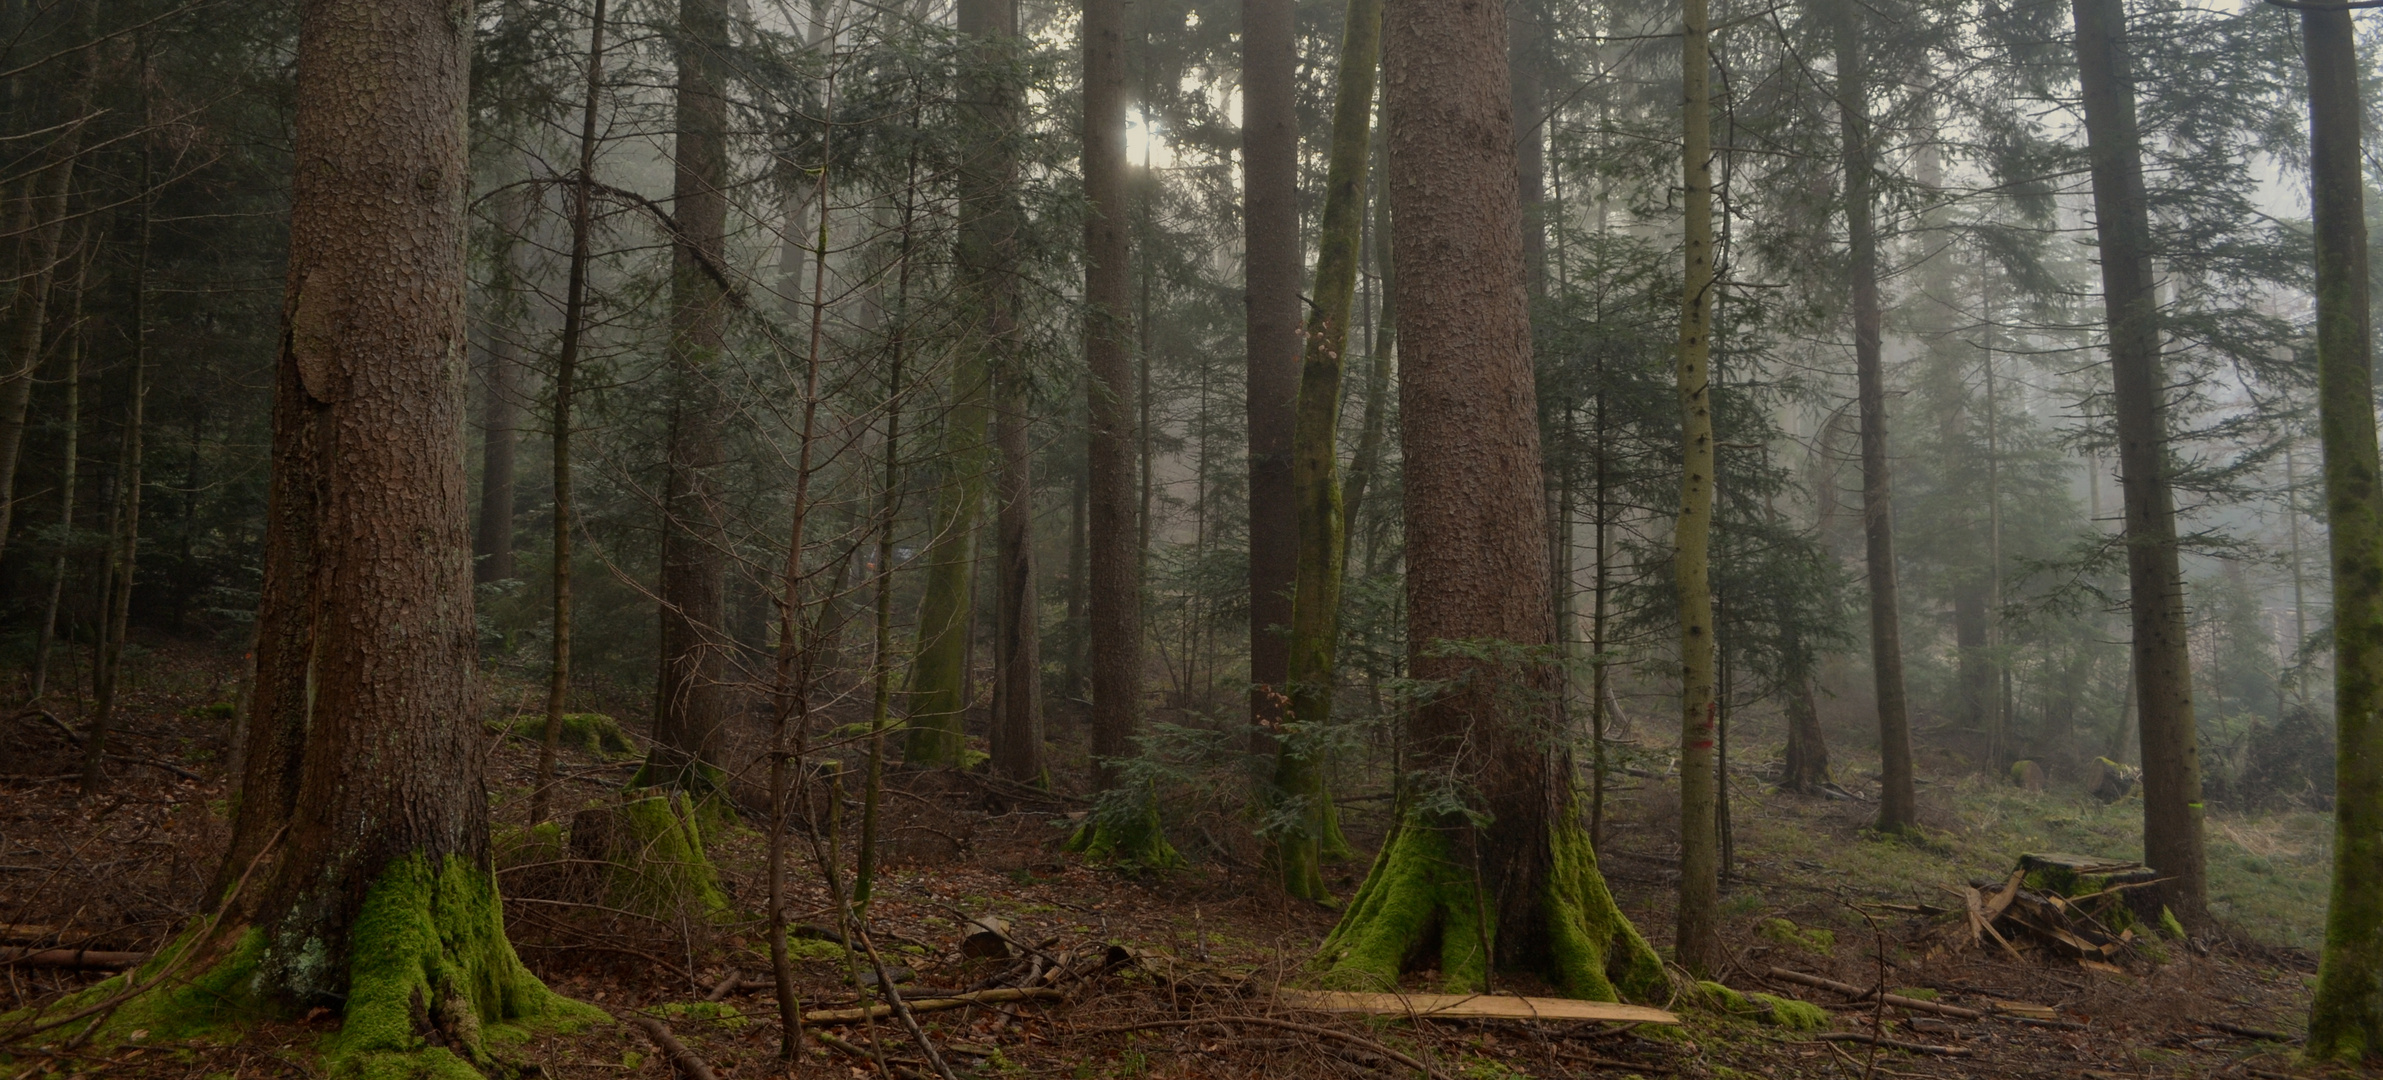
pixel 725 539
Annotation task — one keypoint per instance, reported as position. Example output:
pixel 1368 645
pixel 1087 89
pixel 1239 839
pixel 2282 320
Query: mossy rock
pixel 1772 1009
pixel 1810 939
pixel 590 733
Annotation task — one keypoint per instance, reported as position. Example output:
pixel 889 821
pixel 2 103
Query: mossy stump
pixel 652 846
pixel 1124 830
pixel 594 734
pixel 1421 903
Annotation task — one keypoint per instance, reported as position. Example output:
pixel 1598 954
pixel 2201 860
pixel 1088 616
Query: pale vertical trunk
pixel 1697 940
pixel 69 474
pixel 500 411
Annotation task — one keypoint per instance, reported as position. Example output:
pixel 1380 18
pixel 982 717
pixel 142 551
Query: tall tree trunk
pixel 2155 583
pixel 566 384
pixel 1697 940
pixel 1807 747
pixel 2346 1018
pixel 1518 889
pixel 364 776
pixel 500 410
pixel 115 619
pixel 1115 621
pixel 1381 357
pixel 68 475
pixel 1898 808
pixel 1271 280
pixel 1017 736
pixel 38 251
pixel 939 665
pixel 689 698
pixel 1299 778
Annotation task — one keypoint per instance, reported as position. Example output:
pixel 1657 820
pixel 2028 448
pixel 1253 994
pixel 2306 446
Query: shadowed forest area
pixel 724 539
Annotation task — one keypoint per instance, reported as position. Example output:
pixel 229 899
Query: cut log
pixel 80 959
pixel 986 937
pixel 1453 1006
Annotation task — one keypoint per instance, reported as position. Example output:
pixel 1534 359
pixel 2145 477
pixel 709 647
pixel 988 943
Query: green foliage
pixel 1784 1012
pixel 1813 940
pixel 589 733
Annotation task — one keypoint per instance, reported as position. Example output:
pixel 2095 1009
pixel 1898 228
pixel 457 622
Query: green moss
pixel 1812 940
pixel 590 733
pixel 1418 892
pixel 428 964
pixel 1916 993
pixel 2169 925
pixel 1766 1008
pixel 715 1012
pixel 1124 830
pixel 659 862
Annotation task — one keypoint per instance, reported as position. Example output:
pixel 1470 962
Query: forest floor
pixel 1210 943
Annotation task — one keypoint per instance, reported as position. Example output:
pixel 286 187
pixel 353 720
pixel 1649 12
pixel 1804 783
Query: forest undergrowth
pixel 1808 890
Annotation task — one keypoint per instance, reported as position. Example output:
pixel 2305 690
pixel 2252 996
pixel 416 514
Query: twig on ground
pixel 1287 1025
pixel 1595 1062
pixel 1894 1044
pixel 2248 1032
pixel 856 1053
pixel 936 1004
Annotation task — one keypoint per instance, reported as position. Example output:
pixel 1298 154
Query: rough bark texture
pixel 1315 471
pixel 500 409
pixel 2346 1019
pixel 1697 944
pixel 990 227
pixel 364 768
pixel 1807 769
pixel 939 667
pixel 1271 280
pixel 1114 596
pixel 2163 669
pixel 1372 434
pixel 688 697
pixel 1898 808
pixel 1520 891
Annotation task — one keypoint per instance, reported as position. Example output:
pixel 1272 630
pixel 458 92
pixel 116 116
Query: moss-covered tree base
pixel 590 733
pixel 652 845
pixel 1126 832
pixel 434 988
pixel 1421 895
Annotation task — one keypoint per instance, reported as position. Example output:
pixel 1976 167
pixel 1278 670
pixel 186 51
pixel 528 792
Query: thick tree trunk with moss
pixel 1696 933
pixel 1807 768
pixel 1490 869
pixel 947 609
pixel 1898 807
pixel 690 687
pixel 359 862
pixel 1270 284
pixel 2346 1020
pixel 2155 583
pixel 1299 781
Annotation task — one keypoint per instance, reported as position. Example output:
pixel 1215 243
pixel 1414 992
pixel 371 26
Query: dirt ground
pixel 1190 994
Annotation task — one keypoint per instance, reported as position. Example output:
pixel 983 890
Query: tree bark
pixel 1509 882
pixel 1271 280
pixel 44 217
pixel 1115 594
pixel 1898 808
pixel 1299 778
pixel 69 473
pixel 2163 669
pixel 124 540
pixel 1697 934
pixel 2346 1018
pixel 1381 358
pixel 500 410
pixel 1807 747
pixel 689 699
pixel 364 777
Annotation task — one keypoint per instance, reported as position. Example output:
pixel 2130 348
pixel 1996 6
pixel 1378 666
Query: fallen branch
pixel 1595 1062
pixel 1897 1000
pixel 2248 1032
pixel 1895 1044
pixel 863 1056
pixel 77 959
pixel 1286 1025
pixel 956 1001
pixel 688 1065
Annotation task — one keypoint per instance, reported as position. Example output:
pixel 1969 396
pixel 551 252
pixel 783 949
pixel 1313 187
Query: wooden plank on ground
pixel 1470 1006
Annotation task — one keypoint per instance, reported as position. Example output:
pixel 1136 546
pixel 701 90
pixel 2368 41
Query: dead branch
pixel 956 1001
pixel 1287 1025
pixel 1897 1000
pixel 1895 1044
pixel 76 959
pixel 863 1056
pixel 686 1061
